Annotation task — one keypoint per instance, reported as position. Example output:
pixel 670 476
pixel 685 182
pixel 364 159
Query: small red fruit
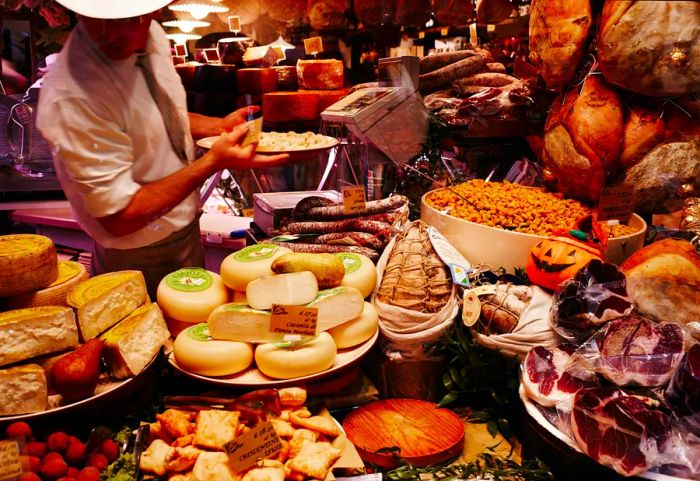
pixel 75 454
pixel 98 461
pixel 29 477
pixel 72 472
pixel 19 430
pixel 66 478
pixel 54 469
pixel 89 473
pixel 57 441
pixel 36 448
pixel 110 449
pixel 31 463
pixel 52 457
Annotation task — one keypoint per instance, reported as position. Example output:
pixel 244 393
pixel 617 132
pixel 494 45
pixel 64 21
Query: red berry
pixel 19 430
pixel 29 477
pixel 52 457
pixel 36 448
pixel 31 463
pixel 73 439
pixel 89 473
pixel 57 442
pixel 75 454
pixel 54 469
pixel 110 449
pixel 98 461
pixel 66 478
pixel 72 472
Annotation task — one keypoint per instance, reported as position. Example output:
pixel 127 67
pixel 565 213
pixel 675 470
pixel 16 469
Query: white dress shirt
pixel 108 135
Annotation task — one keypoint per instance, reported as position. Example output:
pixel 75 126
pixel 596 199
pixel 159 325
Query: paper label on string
pixel 279 51
pixel 421 34
pixel 471 308
pixel 484 290
pixel 294 320
pixel 10 462
pixel 246 450
pixel 617 202
pixel 459 266
pixel 353 199
pixel 313 45
pixel 490 28
pixel 444 31
pixel 234 23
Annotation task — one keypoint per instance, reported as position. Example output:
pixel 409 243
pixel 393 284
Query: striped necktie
pixel 167 108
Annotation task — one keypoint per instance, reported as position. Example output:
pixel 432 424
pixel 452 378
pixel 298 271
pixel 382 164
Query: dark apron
pixel 180 249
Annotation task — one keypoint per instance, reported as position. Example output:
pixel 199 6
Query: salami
pixel 334 211
pixel 438 60
pixel 347 225
pixel 446 75
pixel 488 79
pixel 328 249
pixel 362 239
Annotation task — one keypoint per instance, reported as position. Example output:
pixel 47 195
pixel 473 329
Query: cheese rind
pixel 259 57
pixel 35 331
pixel 360 272
pixel 241 267
pixel 28 263
pixel 337 306
pixel 320 74
pixel 290 106
pixel 256 80
pixel 286 77
pixel 70 274
pixel 131 344
pixel 197 352
pixel 295 289
pixel 191 294
pixel 312 357
pixel 239 322
pixel 357 331
pixel 24 390
pixel 104 300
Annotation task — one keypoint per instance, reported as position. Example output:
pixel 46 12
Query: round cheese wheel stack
pixel 326 98
pixel 70 274
pixel 241 267
pixel 357 331
pixel 286 77
pixel 360 272
pixel 195 351
pixel 256 80
pixel 190 294
pixel 320 74
pixel 284 363
pixel 28 263
pixel 290 106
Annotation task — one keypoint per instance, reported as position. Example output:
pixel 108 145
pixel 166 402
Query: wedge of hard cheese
pixel 35 331
pixel 23 390
pixel 240 322
pixel 131 344
pixel 294 289
pixel 104 300
pixel 337 306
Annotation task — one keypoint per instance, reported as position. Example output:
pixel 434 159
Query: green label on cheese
pixel 200 332
pixel 351 262
pixel 254 253
pixel 189 279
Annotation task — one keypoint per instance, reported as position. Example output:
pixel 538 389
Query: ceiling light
pixel 186 25
pixel 198 8
pixel 180 38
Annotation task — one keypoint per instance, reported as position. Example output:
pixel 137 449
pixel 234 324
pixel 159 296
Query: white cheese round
pixel 191 294
pixel 241 267
pixel 360 272
pixel 358 330
pixel 196 352
pixel 285 363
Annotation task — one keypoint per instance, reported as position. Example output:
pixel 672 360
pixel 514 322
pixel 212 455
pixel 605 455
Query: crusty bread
pixel 23 390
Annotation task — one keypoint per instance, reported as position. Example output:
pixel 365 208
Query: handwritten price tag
pixel 279 51
pixel 444 31
pixel 234 23
pixel 299 320
pixel 261 442
pixel 421 34
pixel 471 309
pixel 616 202
pixel 10 463
pixel 313 45
pixel 353 199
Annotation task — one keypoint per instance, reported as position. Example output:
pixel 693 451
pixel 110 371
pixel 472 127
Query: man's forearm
pixel 204 126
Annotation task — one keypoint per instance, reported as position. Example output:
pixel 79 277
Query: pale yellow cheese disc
pixel 357 331
pixel 360 272
pixel 195 351
pixel 285 363
pixel 70 274
pixel 241 267
pixel 191 294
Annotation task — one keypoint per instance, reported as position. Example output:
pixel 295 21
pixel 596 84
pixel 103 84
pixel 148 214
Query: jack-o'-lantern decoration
pixel 556 259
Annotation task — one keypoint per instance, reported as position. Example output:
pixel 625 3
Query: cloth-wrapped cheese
pixel 582 139
pixel 558 33
pixel 652 48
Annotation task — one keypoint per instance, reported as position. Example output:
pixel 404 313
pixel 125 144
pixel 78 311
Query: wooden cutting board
pixel 423 433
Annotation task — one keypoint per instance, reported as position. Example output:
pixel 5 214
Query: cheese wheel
pixel 320 74
pixel 358 330
pixel 195 351
pixel 294 289
pixel 290 106
pixel 256 80
pixel 239 298
pixel 285 363
pixel 286 77
pixel 190 294
pixel 360 272
pixel 326 98
pixel 70 274
pixel 28 263
pixel 249 263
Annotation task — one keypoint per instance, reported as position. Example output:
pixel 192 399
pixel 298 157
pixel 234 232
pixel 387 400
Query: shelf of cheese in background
pixel 256 80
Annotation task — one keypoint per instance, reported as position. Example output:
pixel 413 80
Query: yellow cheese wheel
pixel 320 74
pixel 285 363
pixel 70 274
pixel 360 272
pixel 28 263
pixel 241 267
pixel 358 330
pixel 290 106
pixel 190 294
pixel 195 351
pixel 286 77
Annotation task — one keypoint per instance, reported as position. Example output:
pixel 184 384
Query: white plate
pixel 252 377
pixel 330 142
pixel 533 410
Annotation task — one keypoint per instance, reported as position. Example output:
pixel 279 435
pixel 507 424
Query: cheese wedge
pixel 28 263
pixel 70 274
pixel 24 390
pixel 240 322
pixel 295 289
pixel 104 300
pixel 35 331
pixel 337 306
pixel 131 344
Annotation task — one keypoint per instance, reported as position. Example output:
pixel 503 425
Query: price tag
pixel 313 45
pixel 490 28
pixel 279 51
pixel 10 463
pixel 353 199
pixel 616 202
pixel 299 320
pixel 473 36
pixel 444 31
pixel 471 308
pixel 248 213
pixel 246 450
pixel 421 34
pixel 234 23
pixel 484 290
pixel 459 266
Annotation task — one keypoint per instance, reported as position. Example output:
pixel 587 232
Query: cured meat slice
pixel 550 378
pixel 683 392
pixel 618 429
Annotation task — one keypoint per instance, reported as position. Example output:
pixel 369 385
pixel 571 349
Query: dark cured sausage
pixel 362 239
pixel 362 225
pixel 328 249
pixel 336 211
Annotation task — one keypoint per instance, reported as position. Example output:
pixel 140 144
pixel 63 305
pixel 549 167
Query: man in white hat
pixel 114 110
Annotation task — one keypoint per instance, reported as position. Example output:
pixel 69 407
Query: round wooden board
pixel 424 433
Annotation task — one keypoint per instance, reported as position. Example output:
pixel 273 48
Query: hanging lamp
pixel 198 8
pixel 186 25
